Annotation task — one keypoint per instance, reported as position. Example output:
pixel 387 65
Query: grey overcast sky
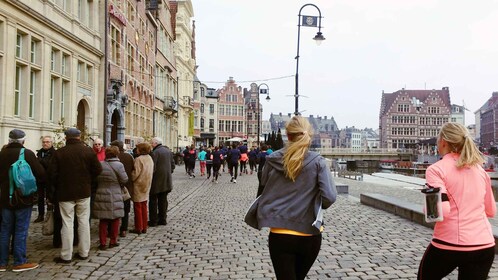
pixel 370 46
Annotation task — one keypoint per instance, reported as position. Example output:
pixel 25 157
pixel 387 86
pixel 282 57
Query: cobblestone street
pixel 206 238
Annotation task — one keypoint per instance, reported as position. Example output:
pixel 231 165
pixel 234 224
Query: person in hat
pixel 16 211
pixel 72 170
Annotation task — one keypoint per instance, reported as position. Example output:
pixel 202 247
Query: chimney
pixel 280 114
pixel 289 115
pixel 311 116
pixel 325 117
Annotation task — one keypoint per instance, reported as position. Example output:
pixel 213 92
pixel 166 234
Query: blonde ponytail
pixel 460 142
pixel 300 134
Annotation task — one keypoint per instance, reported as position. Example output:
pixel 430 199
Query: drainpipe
pixel 106 71
pixel 177 113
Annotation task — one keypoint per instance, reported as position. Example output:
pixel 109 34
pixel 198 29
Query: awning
pixel 235 139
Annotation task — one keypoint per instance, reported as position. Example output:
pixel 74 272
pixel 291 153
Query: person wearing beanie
pixel 16 211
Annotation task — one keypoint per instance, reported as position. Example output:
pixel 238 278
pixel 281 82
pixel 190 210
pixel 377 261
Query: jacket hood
pixel 275 159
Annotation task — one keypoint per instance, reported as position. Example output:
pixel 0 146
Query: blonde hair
pixel 459 141
pixel 300 132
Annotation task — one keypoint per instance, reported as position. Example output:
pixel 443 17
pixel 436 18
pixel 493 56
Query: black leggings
pixel 473 265
pixel 292 256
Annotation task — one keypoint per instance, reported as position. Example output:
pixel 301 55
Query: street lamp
pixel 309 21
pixel 262 91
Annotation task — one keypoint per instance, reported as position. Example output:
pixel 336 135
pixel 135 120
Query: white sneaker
pixel 234 181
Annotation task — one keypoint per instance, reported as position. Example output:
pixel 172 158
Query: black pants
pixel 252 165
pixel 158 207
pixel 233 170
pixel 292 256
pixel 216 170
pixel 208 169
pixel 472 265
pixel 41 200
pixel 124 220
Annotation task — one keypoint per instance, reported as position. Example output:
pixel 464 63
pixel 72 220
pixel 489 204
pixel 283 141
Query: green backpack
pixel 21 177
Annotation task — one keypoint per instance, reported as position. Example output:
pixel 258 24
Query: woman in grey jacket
pixel 108 205
pixel 297 185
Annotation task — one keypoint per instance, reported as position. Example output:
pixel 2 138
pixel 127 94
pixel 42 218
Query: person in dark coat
pixel 161 182
pixel 233 157
pixel 217 158
pixel 44 154
pixel 16 211
pixel 72 170
pixel 128 161
pixel 191 161
pixel 186 156
pixel 261 160
pixel 108 206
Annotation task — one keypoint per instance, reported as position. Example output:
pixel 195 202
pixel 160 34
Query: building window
pixel 17 91
pixel 403 108
pixel 211 109
pixel 115 45
pixel 202 108
pixel 51 100
pixel 130 53
pixel 64 65
pixel 19 45
pixel 32 89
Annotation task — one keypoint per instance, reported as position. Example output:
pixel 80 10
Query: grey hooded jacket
pixel 295 205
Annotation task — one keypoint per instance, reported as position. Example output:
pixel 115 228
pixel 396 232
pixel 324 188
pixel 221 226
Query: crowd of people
pixel 78 183
pixel 234 159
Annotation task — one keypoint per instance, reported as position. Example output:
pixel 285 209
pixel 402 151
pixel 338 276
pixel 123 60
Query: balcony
pixel 187 102
pixel 170 105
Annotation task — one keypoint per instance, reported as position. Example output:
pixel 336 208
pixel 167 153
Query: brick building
pixel 409 116
pixel 232 113
pixel 488 122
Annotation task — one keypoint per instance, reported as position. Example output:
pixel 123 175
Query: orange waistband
pixel 291 232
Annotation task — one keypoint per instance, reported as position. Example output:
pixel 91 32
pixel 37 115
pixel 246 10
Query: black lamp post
pixel 309 21
pixel 262 91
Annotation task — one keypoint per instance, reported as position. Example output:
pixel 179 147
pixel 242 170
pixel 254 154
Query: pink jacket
pixel 465 226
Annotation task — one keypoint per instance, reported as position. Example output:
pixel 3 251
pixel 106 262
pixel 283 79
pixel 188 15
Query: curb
pixel 408 210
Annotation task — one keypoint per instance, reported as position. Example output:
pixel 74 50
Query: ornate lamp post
pixel 262 91
pixel 309 21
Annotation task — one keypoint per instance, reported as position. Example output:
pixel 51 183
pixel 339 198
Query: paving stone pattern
pixel 206 238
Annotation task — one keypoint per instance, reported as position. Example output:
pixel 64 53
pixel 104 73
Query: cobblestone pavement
pixel 206 238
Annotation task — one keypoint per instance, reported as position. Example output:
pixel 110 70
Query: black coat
pixel 8 156
pixel 72 170
pixel 163 167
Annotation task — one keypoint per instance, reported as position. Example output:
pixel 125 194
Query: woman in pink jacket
pixel 464 238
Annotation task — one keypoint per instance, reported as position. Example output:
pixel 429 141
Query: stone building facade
pixel 50 67
pixel 184 50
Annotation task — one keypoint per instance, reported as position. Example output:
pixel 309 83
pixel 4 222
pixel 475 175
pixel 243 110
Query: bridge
pixel 366 154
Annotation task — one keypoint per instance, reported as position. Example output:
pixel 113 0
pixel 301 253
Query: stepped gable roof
pixel 422 95
pixel 491 103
